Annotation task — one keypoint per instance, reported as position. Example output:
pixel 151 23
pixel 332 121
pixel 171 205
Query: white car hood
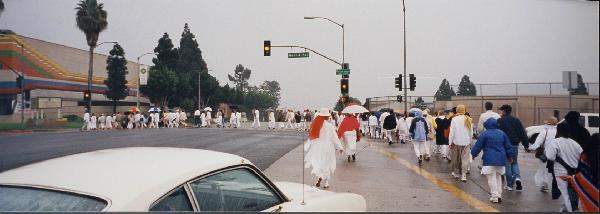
pixel 319 200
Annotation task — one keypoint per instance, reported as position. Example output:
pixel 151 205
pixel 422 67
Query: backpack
pixel 420 132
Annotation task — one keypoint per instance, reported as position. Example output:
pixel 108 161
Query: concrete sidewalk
pixel 390 180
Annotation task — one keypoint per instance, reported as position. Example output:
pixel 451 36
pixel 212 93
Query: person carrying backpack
pixel 418 132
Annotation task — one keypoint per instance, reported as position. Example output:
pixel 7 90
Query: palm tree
pixel 91 19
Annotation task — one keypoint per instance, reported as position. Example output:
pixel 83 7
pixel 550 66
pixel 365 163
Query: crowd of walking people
pixel 567 153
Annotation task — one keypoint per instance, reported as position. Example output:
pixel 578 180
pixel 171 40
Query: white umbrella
pixel 207 109
pixel 354 109
pixel 154 109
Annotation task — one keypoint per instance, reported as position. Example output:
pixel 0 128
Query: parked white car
pixel 588 120
pixel 159 179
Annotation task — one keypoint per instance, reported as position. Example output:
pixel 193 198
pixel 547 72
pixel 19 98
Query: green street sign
pixel 298 55
pixel 342 72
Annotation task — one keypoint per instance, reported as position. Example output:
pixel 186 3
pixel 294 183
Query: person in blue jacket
pixel 496 153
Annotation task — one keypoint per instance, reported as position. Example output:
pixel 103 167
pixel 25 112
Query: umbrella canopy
pixel 134 109
pixel 413 110
pixel 207 109
pixel 154 109
pixel 355 109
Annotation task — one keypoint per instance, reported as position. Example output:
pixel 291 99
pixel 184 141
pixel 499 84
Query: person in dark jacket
pixel 577 132
pixel 497 153
pixel 389 124
pixel 441 133
pixel 513 128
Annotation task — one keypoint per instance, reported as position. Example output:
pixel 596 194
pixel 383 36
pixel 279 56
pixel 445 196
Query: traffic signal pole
pixel 405 76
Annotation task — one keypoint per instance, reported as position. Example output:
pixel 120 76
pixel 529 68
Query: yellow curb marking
pixel 477 204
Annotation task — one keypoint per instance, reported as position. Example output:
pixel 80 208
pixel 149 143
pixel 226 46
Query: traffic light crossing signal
pixel 413 82
pixel 344 86
pixel 399 82
pixel 87 96
pixel 267 48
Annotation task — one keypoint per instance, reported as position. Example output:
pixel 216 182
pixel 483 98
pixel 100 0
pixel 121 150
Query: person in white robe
pixel 289 118
pixel 233 120
pixel 176 116
pixel 109 122
pixel 256 122
pixel 542 178
pixel 402 128
pixel 93 122
pixel 203 119
pixel 373 123
pixel 320 149
pixel 101 121
pixel 272 124
pixel 156 119
pixel 219 119
pixel 238 117
pixel 86 122
pixel 182 118
pixel 208 118
pixel 349 132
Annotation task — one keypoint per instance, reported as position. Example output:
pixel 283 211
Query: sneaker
pixel 544 188
pixel 519 185
pixel 463 178
pixel 354 158
pixel 349 158
pixel 499 200
pixel 420 159
pixel 494 200
pixel 454 175
pixel 427 158
pixel 508 188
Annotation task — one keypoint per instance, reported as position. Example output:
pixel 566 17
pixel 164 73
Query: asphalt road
pixel 259 146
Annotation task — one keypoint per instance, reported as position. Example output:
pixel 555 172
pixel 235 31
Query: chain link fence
pixel 517 89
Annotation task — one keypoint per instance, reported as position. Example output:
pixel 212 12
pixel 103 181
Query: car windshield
pixel 36 199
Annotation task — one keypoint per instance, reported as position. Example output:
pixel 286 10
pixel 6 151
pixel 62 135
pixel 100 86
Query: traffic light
pixel 344 86
pixel 267 48
pixel 413 82
pixel 399 82
pixel 87 96
pixel 399 98
pixel 19 82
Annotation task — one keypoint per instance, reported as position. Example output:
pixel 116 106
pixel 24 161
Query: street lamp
pixel 91 72
pixel 137 93
pixel 338 24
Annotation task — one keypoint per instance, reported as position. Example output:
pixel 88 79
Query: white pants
pixel 389 134
pixel 350 142
pixel 372 131
pixel 289 124
pixel 256 124
pixel 542 177
pixel 444 150
pixel 494 179
pixel 272 125
pixel 421 148
pixel 564 193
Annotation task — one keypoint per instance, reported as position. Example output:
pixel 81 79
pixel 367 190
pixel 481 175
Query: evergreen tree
pixel 466 87
pixel 240 77
pixel 162 86
pixel 581 89
pixel 166 53
pixel 189 65
pixel 339 105
pixel 419 102
pixel 116 65
pixel 444 92
pixel 273 89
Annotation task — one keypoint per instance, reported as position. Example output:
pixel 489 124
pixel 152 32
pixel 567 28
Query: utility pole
pixel 22 88
pixel 405 76
pixel 137 93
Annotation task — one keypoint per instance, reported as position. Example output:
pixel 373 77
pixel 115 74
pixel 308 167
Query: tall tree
pixel 581 89
pixel 166 53
pixel 189 65
pixel 91 19
pixel 162 86
pixel 273 89
pixel 1 7
pixel 240 77
pixel 419 102
pixel 339 105
pixel 444 92
pixel 116 65
pixel 466 87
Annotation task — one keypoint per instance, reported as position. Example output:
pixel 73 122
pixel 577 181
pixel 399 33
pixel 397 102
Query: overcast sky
pixel 491 41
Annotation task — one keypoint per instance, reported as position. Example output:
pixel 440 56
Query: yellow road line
pixel 472 201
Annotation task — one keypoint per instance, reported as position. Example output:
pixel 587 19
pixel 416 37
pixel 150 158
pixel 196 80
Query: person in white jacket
pixel 86 122
pixel 542 178
pixel 256 117
pixel 373 123
pixel 568 151
pixel 486 115
pixel 459 140
pixel 402 128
